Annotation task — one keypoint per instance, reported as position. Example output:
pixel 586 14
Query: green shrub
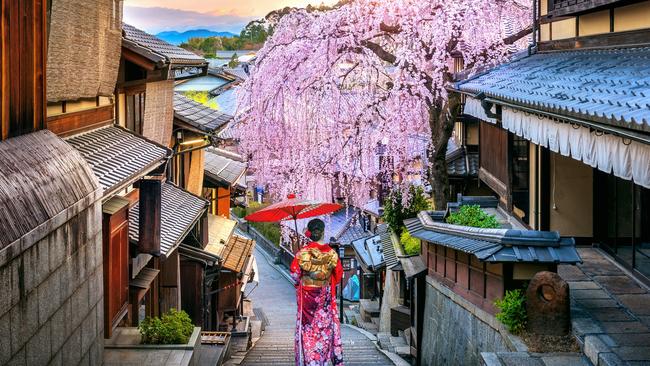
pixel 395 212
pixel 411 245
pixel 512 310
pixel 270 230
pixel 175 327
pixel 473 215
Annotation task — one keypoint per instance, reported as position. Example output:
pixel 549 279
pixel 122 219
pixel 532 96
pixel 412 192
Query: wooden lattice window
pixel 567 7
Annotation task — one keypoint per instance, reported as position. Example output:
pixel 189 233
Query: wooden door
pixel 116 269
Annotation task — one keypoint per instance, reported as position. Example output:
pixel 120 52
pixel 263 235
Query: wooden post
pixel 23 46
pixel 150 212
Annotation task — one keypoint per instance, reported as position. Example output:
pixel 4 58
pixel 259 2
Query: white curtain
pixel 474 108
pixel 624 158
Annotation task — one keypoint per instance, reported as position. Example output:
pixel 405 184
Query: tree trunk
pixel 442 115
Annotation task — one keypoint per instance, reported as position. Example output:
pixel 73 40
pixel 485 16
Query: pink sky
pixel 226 15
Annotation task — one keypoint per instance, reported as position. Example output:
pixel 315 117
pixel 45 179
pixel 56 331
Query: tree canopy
pixel 331 88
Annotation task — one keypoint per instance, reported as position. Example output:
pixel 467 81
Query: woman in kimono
pixel 316 271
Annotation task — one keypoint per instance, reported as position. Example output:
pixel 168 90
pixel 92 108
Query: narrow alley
pixel 275 297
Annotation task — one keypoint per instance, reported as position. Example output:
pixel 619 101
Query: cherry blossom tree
pixel 331 88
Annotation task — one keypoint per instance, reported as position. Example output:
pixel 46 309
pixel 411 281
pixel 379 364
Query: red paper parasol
pixel 293 209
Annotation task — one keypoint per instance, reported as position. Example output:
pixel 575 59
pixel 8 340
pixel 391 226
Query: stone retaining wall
pixel 456 331
pixel 51 306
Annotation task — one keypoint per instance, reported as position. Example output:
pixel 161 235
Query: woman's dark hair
pixel 316 228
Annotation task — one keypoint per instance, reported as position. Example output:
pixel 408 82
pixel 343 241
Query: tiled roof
pixel 390 258
pixel 226 101
pixel 228 132
pixel 173 54
pixel 610 86
pixel 494 245
pixel 204 83
pixel 198 115
pixel 40 177
pixel 180 211
pixel 237 71
pixel 237 253
pixel 118 156
pixel 223 166
pixel 461 163
pixel 220 229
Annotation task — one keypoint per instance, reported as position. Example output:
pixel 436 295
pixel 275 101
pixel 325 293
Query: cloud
pixel 157 19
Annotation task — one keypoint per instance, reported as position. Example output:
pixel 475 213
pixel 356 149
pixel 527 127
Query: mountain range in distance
pixel 177 38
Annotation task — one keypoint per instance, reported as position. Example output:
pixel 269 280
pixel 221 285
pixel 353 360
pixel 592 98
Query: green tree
pixel 395 212
pixel 233 61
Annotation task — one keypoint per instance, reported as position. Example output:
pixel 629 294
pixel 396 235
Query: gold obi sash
pixel 317 266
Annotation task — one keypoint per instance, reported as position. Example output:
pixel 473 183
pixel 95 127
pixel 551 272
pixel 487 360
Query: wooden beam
pixel 22 67
pixel 75 122
pixel 150 215
pixel 625 39
pixel 138 59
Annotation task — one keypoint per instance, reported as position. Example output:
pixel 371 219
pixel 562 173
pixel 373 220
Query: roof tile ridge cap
pixel 491 235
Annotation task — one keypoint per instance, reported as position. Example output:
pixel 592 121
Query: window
pixel 520 177
pixel 135 104
pixel 622 220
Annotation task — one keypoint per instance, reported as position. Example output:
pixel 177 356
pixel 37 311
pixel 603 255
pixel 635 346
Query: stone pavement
pixel 276 298
pixel 610 310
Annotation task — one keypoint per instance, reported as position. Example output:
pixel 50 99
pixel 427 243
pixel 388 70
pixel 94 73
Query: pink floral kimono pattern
pixel 318 331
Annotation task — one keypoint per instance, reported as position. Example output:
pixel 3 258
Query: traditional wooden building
pixel 468 265
pixel 196 127
pixel 51 201
pixel 224 183
pixel 148 69
pixel 564 129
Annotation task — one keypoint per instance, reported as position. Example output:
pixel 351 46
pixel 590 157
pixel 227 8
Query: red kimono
pixel 317 270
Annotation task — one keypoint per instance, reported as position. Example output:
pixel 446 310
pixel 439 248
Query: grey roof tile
pixel 198 115
pixel 508 246
pixel 117 156
pixel 223 166
pixel 180 211
pixel 610 86
pixel 389 250
pixel 171 53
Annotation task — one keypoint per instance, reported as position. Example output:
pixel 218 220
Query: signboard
pixel 346 263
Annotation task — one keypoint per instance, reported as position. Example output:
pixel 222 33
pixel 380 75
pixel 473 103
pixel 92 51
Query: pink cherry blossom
pixel 329 88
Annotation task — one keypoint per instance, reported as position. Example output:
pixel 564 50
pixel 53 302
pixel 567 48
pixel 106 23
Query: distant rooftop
pixel 156 49
pixel 199 116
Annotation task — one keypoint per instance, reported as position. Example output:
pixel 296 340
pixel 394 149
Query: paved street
pixel 276 297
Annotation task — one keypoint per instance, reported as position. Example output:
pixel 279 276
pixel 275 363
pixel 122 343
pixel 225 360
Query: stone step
pixel 375 320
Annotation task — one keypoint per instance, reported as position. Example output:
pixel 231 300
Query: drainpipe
pixel 532 48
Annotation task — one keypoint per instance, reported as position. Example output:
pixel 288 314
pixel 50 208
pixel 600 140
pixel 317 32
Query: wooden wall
pixel 478 282
pixel 494 158
pixel 22 70
pixel 596 28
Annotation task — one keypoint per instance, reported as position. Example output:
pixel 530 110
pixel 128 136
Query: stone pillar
pixel 548 305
